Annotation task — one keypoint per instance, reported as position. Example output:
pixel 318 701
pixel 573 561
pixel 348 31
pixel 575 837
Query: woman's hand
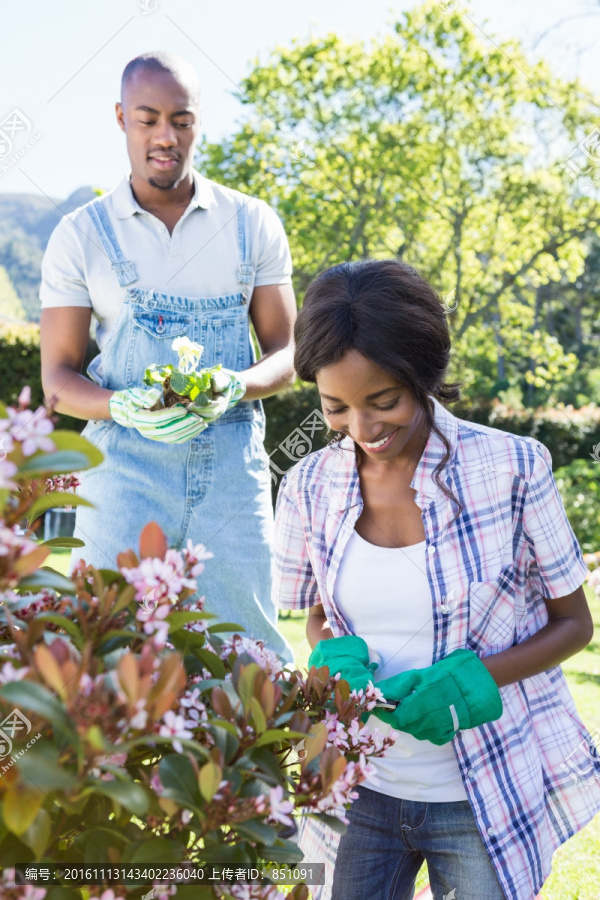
pixel 347 656
pixel 435 702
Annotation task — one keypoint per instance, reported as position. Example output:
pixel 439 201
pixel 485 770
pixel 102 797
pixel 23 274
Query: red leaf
pixel 153 541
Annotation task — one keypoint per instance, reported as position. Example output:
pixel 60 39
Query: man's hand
pixel 173 425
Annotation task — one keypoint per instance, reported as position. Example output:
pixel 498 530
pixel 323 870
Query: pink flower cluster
pixel 12 547
pixel 66 483
pixel 108 894
pixel 165 579
pixel 341 791
pixel 8 889
pixel 255 892
pixel 8 673
pixel 30 429
pixel 265 658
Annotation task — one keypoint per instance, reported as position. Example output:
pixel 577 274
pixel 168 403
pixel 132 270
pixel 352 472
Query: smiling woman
pixel 436 552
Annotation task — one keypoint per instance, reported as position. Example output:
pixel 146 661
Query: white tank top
pixel 383 594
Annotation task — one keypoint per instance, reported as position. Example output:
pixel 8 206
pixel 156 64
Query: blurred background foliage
pixel 432 144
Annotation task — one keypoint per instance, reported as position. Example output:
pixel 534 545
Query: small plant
pixel 149 733
pixel 184 383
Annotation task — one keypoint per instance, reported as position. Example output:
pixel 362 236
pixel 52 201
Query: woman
pixel 439 548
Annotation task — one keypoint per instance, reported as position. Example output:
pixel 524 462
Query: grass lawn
pixel 576 865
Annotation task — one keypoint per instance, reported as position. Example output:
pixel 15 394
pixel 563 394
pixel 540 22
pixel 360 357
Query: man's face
pixel 160 116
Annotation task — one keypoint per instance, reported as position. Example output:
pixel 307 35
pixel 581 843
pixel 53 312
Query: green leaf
pixel 225 626
pixel 185 616
pixel 74 442
pixel 332 821
pixel 178 777
pixel 64 542
pixel 211 661
pixel 167 851
pixel 48 578
pixel 59 892
pixel 256 830
pixel 31 696
pixel 55 500
pixel 180 383
pixel 209 779
pixel 277 734
pixel 69 625
pixel 20 806
pixel 284 851
pixel 39 833
pixel 266 761
pixel 41 765
pixel 195 892
pixel 128 794
pixel 59 463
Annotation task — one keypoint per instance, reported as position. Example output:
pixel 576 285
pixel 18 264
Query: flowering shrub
pixel 161 735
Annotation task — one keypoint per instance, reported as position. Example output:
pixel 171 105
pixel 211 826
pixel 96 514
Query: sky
pixel 62 63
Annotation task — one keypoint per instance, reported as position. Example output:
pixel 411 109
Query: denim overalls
pixel 215 489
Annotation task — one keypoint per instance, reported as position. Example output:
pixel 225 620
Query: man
pixel 171 254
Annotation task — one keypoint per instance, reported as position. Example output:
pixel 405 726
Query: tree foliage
pixel 442 146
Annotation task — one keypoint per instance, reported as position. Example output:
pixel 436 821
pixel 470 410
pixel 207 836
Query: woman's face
pixel 368 404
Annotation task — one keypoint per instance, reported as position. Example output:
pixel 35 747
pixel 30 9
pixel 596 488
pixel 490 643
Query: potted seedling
pixel 185 383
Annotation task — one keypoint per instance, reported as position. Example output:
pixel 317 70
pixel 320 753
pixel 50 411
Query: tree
pixel 438 145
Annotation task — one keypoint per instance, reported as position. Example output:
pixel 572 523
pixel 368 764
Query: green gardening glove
pixel 434 703
pixel 347 656
pixel 173 425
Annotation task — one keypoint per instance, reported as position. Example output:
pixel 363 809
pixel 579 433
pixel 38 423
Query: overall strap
pixel 123 268
pixel 245 270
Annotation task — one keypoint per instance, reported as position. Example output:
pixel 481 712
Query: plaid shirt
pixel 529 780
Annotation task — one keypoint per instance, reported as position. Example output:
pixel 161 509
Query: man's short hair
pixel 163 61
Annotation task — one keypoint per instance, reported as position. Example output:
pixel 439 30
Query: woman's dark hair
pixel 388 312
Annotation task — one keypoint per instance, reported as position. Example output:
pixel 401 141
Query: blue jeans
pixel 387 840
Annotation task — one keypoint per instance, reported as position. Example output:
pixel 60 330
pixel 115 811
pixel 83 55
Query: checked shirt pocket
pixel 492 613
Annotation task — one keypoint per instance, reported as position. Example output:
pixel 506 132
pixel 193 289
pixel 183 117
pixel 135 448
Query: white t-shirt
pixel 200 258
pixel 383 594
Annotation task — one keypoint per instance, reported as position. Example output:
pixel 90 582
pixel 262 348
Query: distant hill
pixel 26 223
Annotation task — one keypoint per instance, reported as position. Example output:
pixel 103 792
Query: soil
pixel 170 397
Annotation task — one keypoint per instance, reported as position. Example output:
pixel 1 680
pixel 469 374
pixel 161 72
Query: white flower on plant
pixel 139 719
pixel 12 542
pixel 255 892
pixel 336 731
pixel 280 808
pixel 160 579
pixel 8 673
pixel 108 894
pixel 265 658
pixel 155 624
pixel 189 354
pixel 193 706
pixel 7 468
pixel 177 727
pixel 163 891
pixel 29 428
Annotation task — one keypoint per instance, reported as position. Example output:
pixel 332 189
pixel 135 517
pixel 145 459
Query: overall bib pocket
pixel 153 332
pixel 224 336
